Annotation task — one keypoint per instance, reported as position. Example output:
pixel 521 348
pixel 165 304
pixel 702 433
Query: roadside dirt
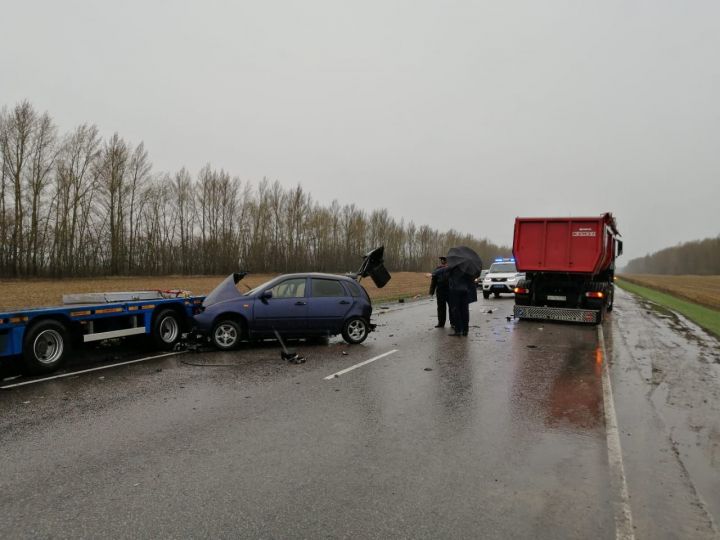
pixel 18 294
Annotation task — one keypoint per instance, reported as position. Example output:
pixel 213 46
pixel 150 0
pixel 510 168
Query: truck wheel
pixel 486 295
pixel 45 347
pixel 610 298
pixel 166 329
pixel 355 330
pixel 600 315
pixel 523 299
pixel 226 334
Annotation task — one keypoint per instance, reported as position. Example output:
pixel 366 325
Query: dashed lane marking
pixel 73 373
pixel 344 371
pixel 618 481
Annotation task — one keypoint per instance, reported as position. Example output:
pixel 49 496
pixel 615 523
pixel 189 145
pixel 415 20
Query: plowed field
pixel 703 290
pixel 17 294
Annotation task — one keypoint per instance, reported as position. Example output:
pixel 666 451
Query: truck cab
pixel 502 277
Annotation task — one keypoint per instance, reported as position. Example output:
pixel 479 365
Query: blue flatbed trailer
pixel 41 337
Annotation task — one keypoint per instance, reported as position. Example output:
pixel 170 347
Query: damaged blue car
pixel 299 305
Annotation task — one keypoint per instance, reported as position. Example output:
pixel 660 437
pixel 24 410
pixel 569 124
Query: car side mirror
pixel 620 246
pixel 266 295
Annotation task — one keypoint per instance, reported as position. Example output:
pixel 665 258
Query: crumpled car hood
pixel 225 291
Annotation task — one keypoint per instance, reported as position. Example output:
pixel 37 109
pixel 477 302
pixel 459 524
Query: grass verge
pixel 707 318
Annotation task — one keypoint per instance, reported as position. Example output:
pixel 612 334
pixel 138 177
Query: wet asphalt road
pixel 498 435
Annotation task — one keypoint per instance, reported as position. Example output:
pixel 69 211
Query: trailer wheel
pixel 226 334
pixel 45 347
pixel 166 329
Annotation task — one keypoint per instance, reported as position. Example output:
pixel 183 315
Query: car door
pixel 286 311
pixel 328 304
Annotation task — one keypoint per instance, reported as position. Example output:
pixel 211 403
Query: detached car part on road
pixel 298 305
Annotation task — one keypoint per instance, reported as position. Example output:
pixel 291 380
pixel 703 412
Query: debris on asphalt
pixel 344 353
pixel 428 369
pixel 401 301
pixel 489 311
pixel 531 346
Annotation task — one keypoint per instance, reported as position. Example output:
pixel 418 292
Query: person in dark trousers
pixel 440 287
pixel 462 293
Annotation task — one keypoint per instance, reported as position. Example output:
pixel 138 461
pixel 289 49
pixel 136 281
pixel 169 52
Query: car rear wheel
pixel 226 334
pixel 355 330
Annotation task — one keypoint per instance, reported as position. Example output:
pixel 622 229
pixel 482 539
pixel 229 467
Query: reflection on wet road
pixel 497 435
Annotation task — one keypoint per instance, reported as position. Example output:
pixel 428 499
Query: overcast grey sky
pixel 458 114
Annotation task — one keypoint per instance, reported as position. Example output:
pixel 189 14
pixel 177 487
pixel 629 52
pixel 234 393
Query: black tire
pixel 523 299
pixel 610 298
pixel 600 315
pixel 166 329
pixel 355 330
pixel 486 295
pixel 598 304
pixel 226 334
pixel 45 347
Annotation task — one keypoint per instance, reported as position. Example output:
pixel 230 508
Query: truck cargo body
pixel 569 265
pixel 42 337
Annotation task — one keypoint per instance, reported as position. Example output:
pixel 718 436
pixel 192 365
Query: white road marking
pixel 618 481
pixel 71 374
pixel 383 355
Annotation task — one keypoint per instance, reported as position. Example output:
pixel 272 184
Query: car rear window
pixel 322 288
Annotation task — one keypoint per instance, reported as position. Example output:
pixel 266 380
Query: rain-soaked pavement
pixel 498 435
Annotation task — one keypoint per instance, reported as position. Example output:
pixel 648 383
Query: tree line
pixel 75 204
pixel 700 257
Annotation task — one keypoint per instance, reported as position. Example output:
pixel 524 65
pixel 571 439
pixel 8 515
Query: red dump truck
pixel 569 266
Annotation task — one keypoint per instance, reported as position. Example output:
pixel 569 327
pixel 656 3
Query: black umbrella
pixel 466 260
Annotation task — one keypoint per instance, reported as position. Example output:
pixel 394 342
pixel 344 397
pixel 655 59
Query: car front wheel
pixel 355 330
pixel 226 334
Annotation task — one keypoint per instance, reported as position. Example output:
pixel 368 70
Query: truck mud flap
pixel 557 314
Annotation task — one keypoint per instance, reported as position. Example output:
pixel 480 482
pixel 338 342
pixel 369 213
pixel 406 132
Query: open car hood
pixel 226 290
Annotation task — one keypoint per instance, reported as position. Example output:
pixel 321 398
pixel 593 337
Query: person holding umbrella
pixel 440 288
pixel 464 266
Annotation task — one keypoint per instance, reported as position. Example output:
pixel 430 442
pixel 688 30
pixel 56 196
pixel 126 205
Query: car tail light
pixel 594 294
pixel 521 290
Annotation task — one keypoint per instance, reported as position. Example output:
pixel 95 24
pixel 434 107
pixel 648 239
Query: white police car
pixel 502 277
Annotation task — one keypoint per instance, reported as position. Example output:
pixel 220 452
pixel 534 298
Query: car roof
pixel 315 275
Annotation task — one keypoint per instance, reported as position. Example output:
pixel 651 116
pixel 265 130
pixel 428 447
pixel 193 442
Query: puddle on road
pixel 558 383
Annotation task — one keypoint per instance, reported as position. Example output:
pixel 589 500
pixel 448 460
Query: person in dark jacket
pixel 440 287
pixel 462 293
